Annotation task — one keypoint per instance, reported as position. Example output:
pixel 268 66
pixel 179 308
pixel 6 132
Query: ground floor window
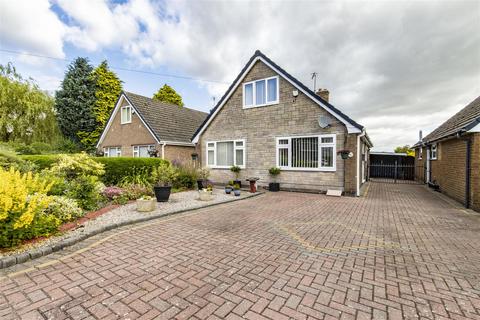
pixel 112 152
pixel 307 152
pixel 433 152
pixel 143 151
pixel 224 154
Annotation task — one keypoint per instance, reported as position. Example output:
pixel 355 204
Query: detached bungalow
pixel 267 118
pixel 143 127
pixel 450 156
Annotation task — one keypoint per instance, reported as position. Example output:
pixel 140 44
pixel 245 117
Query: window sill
pixel 310 169
pixel 224 167
pixel 125 122
pixel 261 105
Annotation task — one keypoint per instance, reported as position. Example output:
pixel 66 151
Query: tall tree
pixel 168 95
pixel 26 112
pixel 107 89
pixel 405 149
pixel 75 100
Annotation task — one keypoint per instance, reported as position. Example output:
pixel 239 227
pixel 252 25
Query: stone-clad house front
pixel 268 119
pixel 139 125
pixel 449 157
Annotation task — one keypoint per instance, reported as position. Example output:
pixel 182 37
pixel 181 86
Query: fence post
pixel 395 174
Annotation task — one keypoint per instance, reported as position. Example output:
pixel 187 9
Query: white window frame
pixel 434 152
pixel 420 153
pixel 136 149
pixel 267 103
pixel 129 115
pixel 235 148
pixel 320 146
pixel 106 151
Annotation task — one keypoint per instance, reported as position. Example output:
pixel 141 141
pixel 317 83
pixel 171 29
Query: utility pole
pixel 314 77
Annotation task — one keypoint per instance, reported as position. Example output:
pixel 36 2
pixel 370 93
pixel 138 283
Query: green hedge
pixel 115 168
pixel 118 168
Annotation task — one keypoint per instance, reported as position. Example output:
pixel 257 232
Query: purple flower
pixel 112 192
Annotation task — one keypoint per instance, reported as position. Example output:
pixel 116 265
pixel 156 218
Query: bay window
pixel 224 154
pixel 307 153
pixel 261 92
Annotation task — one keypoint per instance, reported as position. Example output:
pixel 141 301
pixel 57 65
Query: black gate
pixel 394 173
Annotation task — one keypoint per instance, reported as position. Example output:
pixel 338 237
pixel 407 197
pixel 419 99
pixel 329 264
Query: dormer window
pixel 126 114
pixel 261 92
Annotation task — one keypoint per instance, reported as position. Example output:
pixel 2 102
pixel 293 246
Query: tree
pixel 405 149
pixel 168 95
pixel 107 89
pixel 26 112
pixel 75 100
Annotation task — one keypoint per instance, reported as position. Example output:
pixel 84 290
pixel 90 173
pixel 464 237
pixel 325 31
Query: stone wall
pixel 262 125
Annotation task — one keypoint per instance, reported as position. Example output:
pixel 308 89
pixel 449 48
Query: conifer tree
pixel 168 95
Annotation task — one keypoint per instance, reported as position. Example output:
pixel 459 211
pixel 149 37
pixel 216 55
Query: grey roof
pixel 167 121
pixel 463 120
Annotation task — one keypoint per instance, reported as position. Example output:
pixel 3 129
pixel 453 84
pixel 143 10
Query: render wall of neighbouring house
pixel 262 125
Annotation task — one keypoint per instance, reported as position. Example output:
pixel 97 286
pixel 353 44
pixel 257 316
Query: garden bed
pixel 100 221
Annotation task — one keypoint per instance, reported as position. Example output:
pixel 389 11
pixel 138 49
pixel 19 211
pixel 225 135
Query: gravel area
pixel 125 214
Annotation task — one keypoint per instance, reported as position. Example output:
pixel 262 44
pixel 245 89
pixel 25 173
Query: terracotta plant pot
pixel 146 205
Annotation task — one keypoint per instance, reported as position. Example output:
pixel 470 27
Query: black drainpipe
pixel 467 172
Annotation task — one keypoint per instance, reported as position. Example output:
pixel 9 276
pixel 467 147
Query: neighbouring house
pixel 143 127
pixel 267 118
pixel 450 156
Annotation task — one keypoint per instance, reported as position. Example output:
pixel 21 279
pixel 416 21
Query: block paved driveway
pixel 401 252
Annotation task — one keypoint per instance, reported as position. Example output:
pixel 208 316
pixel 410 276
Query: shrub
pixel 64 209
pixel 86 190
pixel 186 177
pixel 236 171
pixel 8 160
pixel 118 168
pixel 139 176
pixel 22 202
pixel 73 166
pixel 165 174
pixel 44 161
pixel 34 148
pixel 135 191
pixel 274 171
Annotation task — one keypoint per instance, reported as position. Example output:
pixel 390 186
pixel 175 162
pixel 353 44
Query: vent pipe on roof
pixel 420 135
pixel 323 93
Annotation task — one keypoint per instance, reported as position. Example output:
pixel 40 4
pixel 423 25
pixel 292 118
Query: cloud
pixel 395 67
pixel 31 26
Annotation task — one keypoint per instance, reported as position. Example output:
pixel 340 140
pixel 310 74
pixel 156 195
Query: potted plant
pixel 163 176
pixel 236 171
pixel 345 154
pixel 145 204
pixel 206 194
pixel 229 187
pixel 203 175
pixel 236 190
pixel 274 186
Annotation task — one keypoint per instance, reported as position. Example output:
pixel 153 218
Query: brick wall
pixel 420 164
pixel 475 173
pixel 260 127
pixel 182 154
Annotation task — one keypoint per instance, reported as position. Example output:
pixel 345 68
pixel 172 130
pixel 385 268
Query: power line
pixel 117 68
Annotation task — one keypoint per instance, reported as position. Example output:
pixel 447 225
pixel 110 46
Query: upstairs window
pixel 307 153
pixel 260 93
pixel 126 114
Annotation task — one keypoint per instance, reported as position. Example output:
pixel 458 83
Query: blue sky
pixel 395 67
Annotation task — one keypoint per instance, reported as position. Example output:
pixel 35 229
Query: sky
pixel 396 67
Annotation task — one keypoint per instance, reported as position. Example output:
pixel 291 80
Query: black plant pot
pixel 201 185
pixel 274 186
pixel 162 193
pixel 239 182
